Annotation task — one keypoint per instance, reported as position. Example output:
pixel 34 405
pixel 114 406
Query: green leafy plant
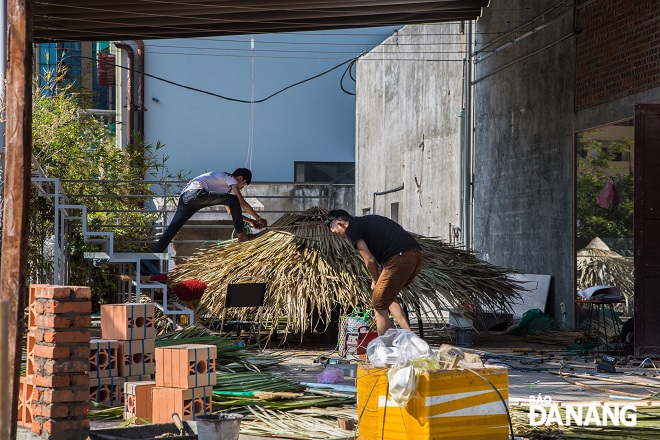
pixel 595 164
pixel 79 148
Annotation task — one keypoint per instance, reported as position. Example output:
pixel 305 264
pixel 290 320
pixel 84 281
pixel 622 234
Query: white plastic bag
pixel 396 346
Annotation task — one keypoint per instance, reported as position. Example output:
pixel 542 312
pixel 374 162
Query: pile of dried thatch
pixel 310 272
pixel 598 265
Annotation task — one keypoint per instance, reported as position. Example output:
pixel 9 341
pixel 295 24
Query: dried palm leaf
pixel 310 271
pixel 598 265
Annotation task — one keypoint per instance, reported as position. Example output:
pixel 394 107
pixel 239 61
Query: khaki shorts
pixel 398 271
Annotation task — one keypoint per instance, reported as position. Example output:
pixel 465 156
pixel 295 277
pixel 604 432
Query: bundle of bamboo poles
pixel 310 271
pixel 598 265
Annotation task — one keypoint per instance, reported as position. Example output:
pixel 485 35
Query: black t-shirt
pixel 384 237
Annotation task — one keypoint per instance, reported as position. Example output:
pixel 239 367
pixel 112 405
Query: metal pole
pixel 467 139
pixel 4 372
pixel 13 277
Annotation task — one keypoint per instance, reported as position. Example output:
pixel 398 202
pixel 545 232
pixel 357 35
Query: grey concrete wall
pixel 523 150
pixel 409 98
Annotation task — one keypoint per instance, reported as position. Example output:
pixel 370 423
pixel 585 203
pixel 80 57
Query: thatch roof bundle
pixel 310 271
pixel 598 265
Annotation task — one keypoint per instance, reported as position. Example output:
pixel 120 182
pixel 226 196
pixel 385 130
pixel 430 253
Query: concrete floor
pixel 530 371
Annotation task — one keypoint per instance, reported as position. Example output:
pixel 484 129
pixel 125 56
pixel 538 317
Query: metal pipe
pixel 140 88
pixel 13 277
pixel 380 193
pixel 130 107
pixel 467 142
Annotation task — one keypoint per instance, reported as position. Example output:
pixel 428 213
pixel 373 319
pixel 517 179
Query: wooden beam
pixel 13 276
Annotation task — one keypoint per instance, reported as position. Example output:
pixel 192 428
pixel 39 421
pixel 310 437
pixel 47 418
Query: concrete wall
pixel 409 97
pixel 523 150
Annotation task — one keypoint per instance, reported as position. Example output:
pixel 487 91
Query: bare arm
pixel 369 261
pixel 244 205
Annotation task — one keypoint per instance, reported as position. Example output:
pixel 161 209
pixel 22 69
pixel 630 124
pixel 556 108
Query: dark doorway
pixel 647 230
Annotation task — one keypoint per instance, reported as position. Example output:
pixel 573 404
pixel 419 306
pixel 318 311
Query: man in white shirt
pixel 210 189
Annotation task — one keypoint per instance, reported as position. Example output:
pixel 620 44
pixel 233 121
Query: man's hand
pixel 261 223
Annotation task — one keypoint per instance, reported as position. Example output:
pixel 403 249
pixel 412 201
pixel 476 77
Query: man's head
pixel 243 176
pixel 338 221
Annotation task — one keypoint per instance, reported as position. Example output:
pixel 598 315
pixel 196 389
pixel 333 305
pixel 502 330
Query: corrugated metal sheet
pixel 80 20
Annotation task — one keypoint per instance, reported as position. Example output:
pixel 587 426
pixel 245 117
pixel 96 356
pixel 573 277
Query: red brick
pixel 52 292
pixel 81 292
pixel 82 321
pixel 63 426
pixel 80 380
pixel 53 321
pixel 81 410
pixel 51 381
pixel 73 335
pixel 82 351
pixel 50 366
pixel 51 411
pixel 36 426
pixel 52 351
pixel 64 395
pixel 59 307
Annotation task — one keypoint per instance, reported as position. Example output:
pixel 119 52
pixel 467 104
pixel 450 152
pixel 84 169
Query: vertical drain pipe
pixel 130 56
pixel 467 143
pixel 140 87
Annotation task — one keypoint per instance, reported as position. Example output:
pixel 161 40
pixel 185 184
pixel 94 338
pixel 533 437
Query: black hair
pixel 338 214
pixel 244 173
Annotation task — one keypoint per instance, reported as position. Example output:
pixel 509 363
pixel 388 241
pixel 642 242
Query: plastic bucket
pixel 219 426
pixel 464 337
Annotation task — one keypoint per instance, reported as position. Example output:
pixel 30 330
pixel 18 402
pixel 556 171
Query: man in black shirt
pixel 384 242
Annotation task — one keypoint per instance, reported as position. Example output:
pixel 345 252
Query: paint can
pixel 464 337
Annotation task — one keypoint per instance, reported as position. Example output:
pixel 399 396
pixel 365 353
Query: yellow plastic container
pixel 447 404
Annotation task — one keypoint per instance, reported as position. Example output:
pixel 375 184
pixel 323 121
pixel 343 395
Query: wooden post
pixel 13 276
pixel 4 372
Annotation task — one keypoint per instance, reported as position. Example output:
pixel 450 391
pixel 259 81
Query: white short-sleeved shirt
pixel 215 181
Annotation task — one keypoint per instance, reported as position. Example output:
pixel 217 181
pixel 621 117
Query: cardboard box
pixel 186 366
pixel 137 357
pixel 103 358
pixel 107 390
pixel 447 404
pixel 137 400
pixel 127 321
pixel 187 403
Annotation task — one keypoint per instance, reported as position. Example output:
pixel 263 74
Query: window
pixel 325 172
pixel 394 211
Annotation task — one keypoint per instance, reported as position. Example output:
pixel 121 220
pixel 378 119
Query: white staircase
pixel 65 214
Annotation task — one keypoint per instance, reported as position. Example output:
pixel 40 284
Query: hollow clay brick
pixel 188 403
pixel 137 400
pixel 103 358
pixel 127 321
pixel 137 357
pixel 107 390
pixel 186 365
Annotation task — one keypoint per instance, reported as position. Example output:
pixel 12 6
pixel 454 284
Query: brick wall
pixel 618 50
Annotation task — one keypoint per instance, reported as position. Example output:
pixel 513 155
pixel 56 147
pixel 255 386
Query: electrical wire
pixel 506 407
pixel 341 81
pixel 194 89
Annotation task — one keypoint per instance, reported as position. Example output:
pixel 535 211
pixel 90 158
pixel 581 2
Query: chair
pixel 600 306
pixel 245 295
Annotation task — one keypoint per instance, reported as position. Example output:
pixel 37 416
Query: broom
pixel 190 292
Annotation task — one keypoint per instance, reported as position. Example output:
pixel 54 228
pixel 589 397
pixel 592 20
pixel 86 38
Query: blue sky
pixel 314 121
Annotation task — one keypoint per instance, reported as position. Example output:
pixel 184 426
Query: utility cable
pixel 194 89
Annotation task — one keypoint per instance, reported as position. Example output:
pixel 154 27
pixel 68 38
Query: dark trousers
pixel 192 201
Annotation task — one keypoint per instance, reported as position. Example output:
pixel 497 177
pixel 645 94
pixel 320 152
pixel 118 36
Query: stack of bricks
pixel 53 398
pixel 185 376
pixel 125 354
